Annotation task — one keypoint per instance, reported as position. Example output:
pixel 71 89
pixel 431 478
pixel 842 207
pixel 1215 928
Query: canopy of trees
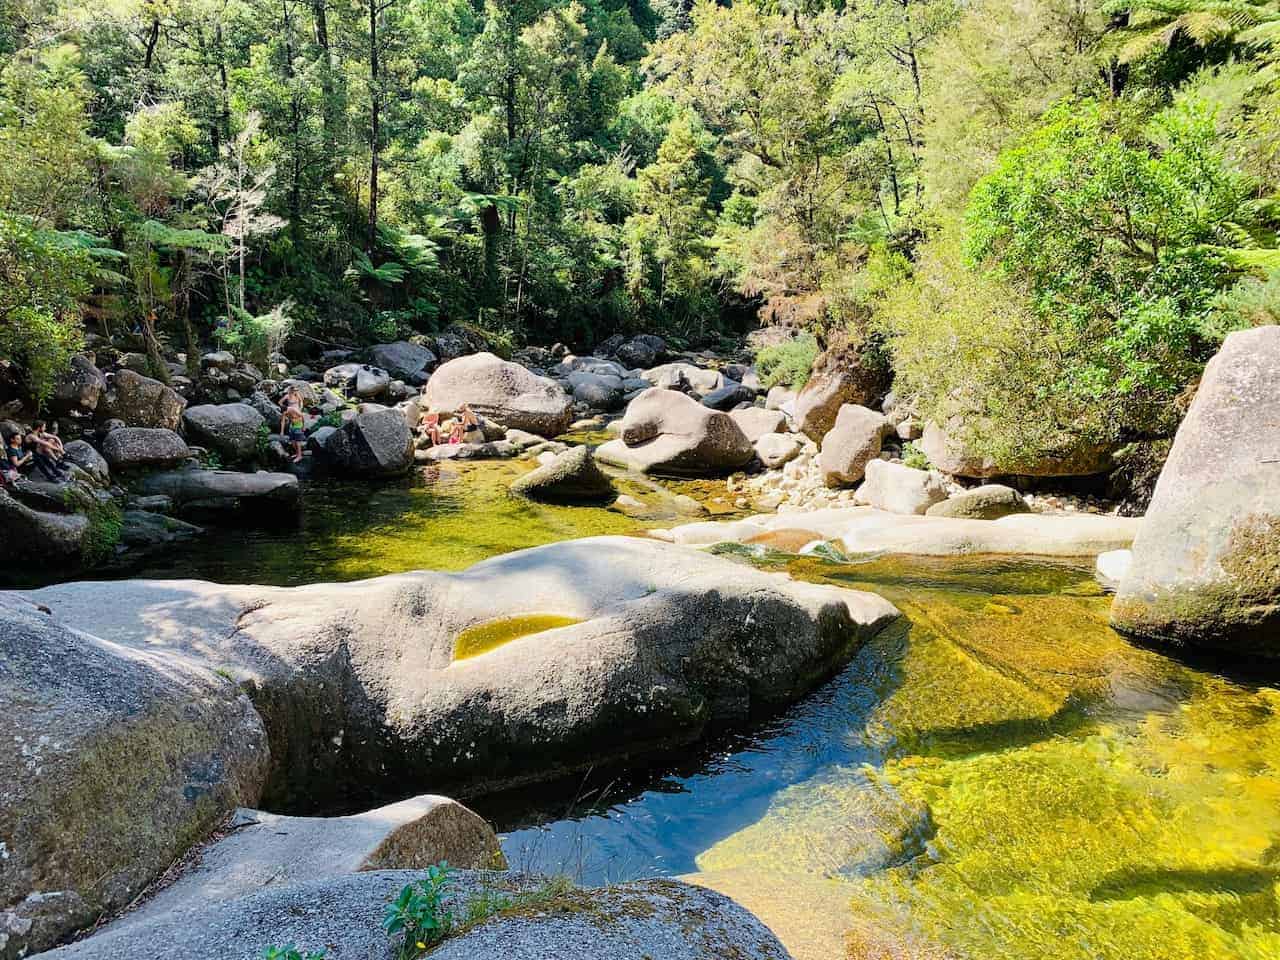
pixel 1045 213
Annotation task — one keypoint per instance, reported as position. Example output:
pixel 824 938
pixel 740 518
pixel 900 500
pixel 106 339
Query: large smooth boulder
pixel 897 488
pixel 340 917
pixel 115 761
pixel 1206 563
pixel 852 443
pixel 503 391
pixel 755 422
pixel 404 681
pixel 232 429
pixel 949 453
pixel 140 402
pixel 987 502
pixel 685 377
pixel 374 444
pixel 402 359
pixel 42 536
pixel 139 448
pixel 571 476
pixel 203 491
pixel 840 376
pixel 666 432
pixel 79 389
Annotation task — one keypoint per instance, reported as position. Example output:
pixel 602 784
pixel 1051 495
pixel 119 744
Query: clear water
pixel 1000 777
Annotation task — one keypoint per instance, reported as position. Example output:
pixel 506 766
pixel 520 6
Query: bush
pixel 787 364
pixel 418 915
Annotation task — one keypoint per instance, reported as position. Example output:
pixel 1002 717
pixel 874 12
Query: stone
pixel 141 528
pixel 403 359
pixel 374 444
pixel 851 444
pixel 776 449
pixel 639 352
pixel 684 376
pixel 571 476
pixel 728 396
pixel 114 762
pixel 755 422
pixel 340 917
pixel 1111 568
pixel 218 360
pixel 205 491
pixel 42 536
pixel 137 448
pixel 669 643
pixel 778 398
pixel 84 456
pixel 839 377
pixel 79 389
pixel 489 450
pixel 359 380
pixel 503 391
pixel 987 502
pixel 947 452
pixel 666 432
pixel 231 429
pixel 898 488
pixel 140 402
pixel 599 391
pixel 1206 563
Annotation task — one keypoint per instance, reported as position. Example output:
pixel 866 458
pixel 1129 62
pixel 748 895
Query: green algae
pixel 492 634
pixel 1046 791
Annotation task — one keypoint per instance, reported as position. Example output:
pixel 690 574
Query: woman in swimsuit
pixel 293 425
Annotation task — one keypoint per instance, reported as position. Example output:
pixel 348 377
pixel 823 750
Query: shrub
pixel 788 363
pixel 418 914
pixel 914 457
pixel 290 952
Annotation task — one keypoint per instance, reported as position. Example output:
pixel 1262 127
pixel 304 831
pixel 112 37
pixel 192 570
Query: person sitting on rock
pixel 293 425
pixel 472 432
pixel 15 458
pixel 46 453
pixel 431 427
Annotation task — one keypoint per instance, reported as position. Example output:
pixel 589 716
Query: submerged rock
pixel 114 761
pixel 1206 566
pixel 570 476
pixel 360 689
pixel 666 432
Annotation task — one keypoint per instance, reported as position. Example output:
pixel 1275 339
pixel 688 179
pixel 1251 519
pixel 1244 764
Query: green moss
pixel 492 634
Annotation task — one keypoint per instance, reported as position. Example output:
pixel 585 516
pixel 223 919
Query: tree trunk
pixel 375 100
pixel 328 115
pixel 491 224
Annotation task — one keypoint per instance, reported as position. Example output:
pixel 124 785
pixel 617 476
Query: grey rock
pixel 571 476
pixel 639 352
pixel 84 456
pixel 666 432
pixel 505 392
pixel 987 502
pixel 143 528
pixel 218 360
pixel 359 380
pixel 851 444
pixel 229 428
pixel 403 359
pixel 78 389
pixel 140 402
pixel 728 396
pixel 201 491
pixel 779 397
pixel 670 642
pixel 40 535
pixel 1206 561
pixel 898 488
pixel 489 450
pixel 684 376
pixel 599 391
pixel 137 448
pixel 111 767
pixel 374 444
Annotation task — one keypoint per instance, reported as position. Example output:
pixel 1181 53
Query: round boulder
pixel 140 402
pixel 571 476
pixel 78 389
pixel 403 359
pixel 232 429
pixel 503 391
pixel 374 444
pixel 137 448
pixel 851 444
pixel 987 502
pixel 666 432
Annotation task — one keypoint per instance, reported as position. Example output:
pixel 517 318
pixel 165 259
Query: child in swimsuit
pixel 293 425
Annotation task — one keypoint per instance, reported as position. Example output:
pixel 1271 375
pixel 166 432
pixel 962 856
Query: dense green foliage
pixel 954 179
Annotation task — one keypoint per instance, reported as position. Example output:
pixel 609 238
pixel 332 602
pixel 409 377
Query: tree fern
pixel 1157 24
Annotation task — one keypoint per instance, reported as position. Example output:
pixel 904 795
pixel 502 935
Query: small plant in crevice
pixel 914 457
pixel 290 952
pixel 262 442
pixel 418 915
pixel 106 524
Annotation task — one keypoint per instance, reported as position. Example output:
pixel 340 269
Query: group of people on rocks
pixel 463 428
pixel 39 447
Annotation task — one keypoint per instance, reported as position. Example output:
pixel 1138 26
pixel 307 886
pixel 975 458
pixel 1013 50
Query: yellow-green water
pixel 493 634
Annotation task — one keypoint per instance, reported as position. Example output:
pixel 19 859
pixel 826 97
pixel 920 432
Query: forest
pixel 1041 215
